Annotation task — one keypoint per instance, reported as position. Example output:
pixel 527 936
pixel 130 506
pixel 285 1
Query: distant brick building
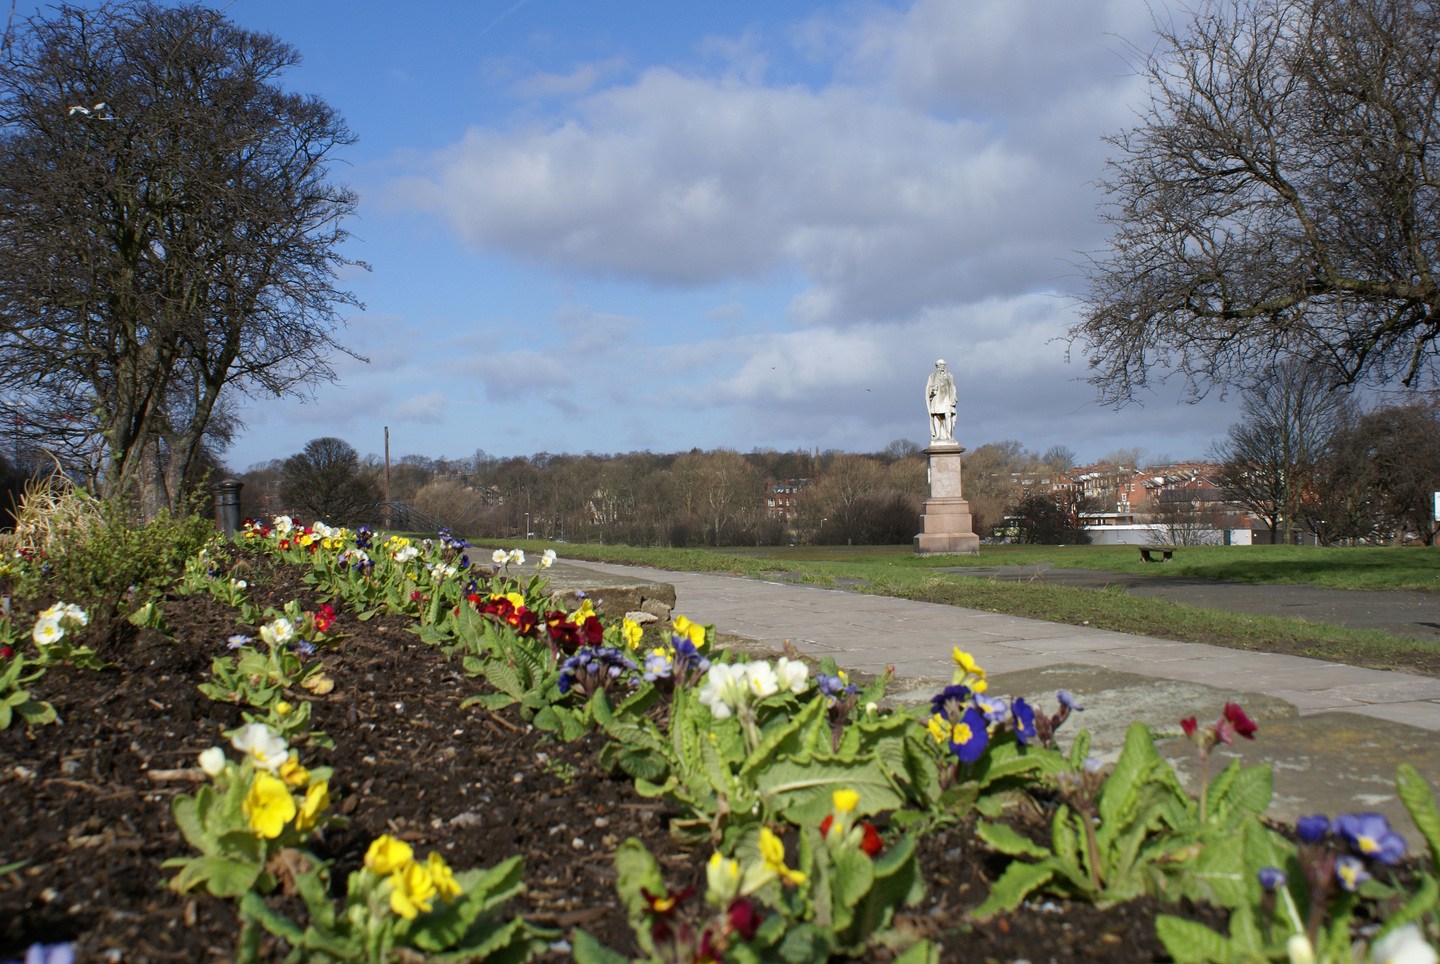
pixel 780 500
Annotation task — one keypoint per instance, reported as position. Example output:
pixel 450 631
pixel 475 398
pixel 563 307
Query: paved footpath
pixel 872 632
pixel 1332 734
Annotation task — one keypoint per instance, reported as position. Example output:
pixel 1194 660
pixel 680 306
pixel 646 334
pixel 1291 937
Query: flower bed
pixel 528 741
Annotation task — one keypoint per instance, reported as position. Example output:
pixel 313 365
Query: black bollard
pixel 227 505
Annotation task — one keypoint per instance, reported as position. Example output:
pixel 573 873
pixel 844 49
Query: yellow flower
pixel 411 890
pixel 585 611
pixel 694 631
pixel 306 540
pixel 966 663
pixel 269 806
pixel 387 855
pixel 936 728
pixel 631 631
pixel 722 880
pixel 291 771
pixel 444 880
pixel 516 599
pixel 845 800
pixel 962 734
pixel 772 851
pixel 317 798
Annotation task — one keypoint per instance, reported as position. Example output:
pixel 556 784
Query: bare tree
pixel 326 481
pixel 169 228
pixel 1279 199
pixel 1269 457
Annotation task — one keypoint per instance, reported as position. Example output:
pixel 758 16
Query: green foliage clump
pixel 118 566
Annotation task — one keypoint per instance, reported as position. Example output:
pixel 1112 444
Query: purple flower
pixel 1350 872
pixel 994 710
pixel 1068 701
pixel 960 694
pixel 304 647
pixel 1371 836
pixel 1312 829
pixel 238 640
pixel 48 954
pixel 1024 721
pixel 1272 878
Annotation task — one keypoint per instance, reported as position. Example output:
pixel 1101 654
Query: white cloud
pixel 951 163
pixel 429 407
pixel 581 80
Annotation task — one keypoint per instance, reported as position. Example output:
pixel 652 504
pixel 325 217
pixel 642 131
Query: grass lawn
pixel 892 571
pixel 1368 567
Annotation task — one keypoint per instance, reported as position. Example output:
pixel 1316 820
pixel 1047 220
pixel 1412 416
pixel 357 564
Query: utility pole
pixel 387 463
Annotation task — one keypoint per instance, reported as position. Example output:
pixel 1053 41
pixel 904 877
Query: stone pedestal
pixel 945 524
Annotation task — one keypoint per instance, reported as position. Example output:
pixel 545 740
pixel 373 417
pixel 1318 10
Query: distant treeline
pixel 718 497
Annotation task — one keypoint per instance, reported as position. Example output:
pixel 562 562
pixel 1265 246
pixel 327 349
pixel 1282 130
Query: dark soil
pixel 92 820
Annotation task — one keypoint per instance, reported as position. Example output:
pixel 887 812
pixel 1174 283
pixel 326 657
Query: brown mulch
pixel 85 810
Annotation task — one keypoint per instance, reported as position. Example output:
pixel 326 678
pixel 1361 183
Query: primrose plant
pixel 839 899
pixel 248 823
pixel 398 907
pixel 1305 899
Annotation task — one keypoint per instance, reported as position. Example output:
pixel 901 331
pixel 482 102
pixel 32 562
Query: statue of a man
pixel 940 398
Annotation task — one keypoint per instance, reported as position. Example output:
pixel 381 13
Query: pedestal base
pixel 946 527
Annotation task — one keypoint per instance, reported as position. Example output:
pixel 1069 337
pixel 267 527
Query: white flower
pixel 278 633
pixel 547 559
pixel 212 761
pixel 724 687
pixel 499 557
pixel 760 679
pixel 238 583
pixel 283 524
pixel 406 553
pixel 47 630
pixel 1299 949
pixel 266 748
pixel 517 556
pixel 1403 945
pixel 76 615
pixel 872 708
pixel 793 675
pixel 441 571
pixel 322 530
pixel 54 612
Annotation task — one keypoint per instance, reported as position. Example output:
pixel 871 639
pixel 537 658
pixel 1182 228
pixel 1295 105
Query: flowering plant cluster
pixel 53 634
pixel 841 895
pixel 249 815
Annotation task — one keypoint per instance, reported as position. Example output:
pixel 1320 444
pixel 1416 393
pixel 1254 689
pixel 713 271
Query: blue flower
pixel 657 666
pixel 960 694
pixel 1312 829
pixel 1351 872
pixel 1272 878
pixel 1371 836
pixel 1024 718
pixel 1068 701
pixel 238 640
pixel 994 710
pixel 969 737
pixel 304 647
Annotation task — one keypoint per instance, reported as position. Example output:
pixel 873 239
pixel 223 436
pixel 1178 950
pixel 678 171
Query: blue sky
pixel 612 226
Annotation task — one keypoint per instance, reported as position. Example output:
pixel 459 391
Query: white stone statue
pixel 940 398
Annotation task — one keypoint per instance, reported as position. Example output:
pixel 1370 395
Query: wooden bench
pixel 1146 557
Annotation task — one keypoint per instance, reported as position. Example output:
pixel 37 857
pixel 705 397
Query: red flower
pixel 826 824
pixel 744 918
pixel 284 543
pixel 1243 725
pixel 871 842
pixel 1188 726
pixel 6 652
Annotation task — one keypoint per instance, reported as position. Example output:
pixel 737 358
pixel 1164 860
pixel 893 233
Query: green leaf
pixel 787 739
pixel 186 810
pixel 800 790
pixel 1191 943
pixel 1006 840
pixel 253 906
pixel 448 924
pixel 1079 750
pixel 921 953
pixel 1017 882
pixel 221 876
pixel 1415 793
pixel 637 870
pixel 1122 787
pixel 1420 903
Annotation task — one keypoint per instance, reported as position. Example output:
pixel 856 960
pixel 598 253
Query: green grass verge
pixel 877 571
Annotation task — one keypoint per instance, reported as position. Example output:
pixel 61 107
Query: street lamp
pixel 527 525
